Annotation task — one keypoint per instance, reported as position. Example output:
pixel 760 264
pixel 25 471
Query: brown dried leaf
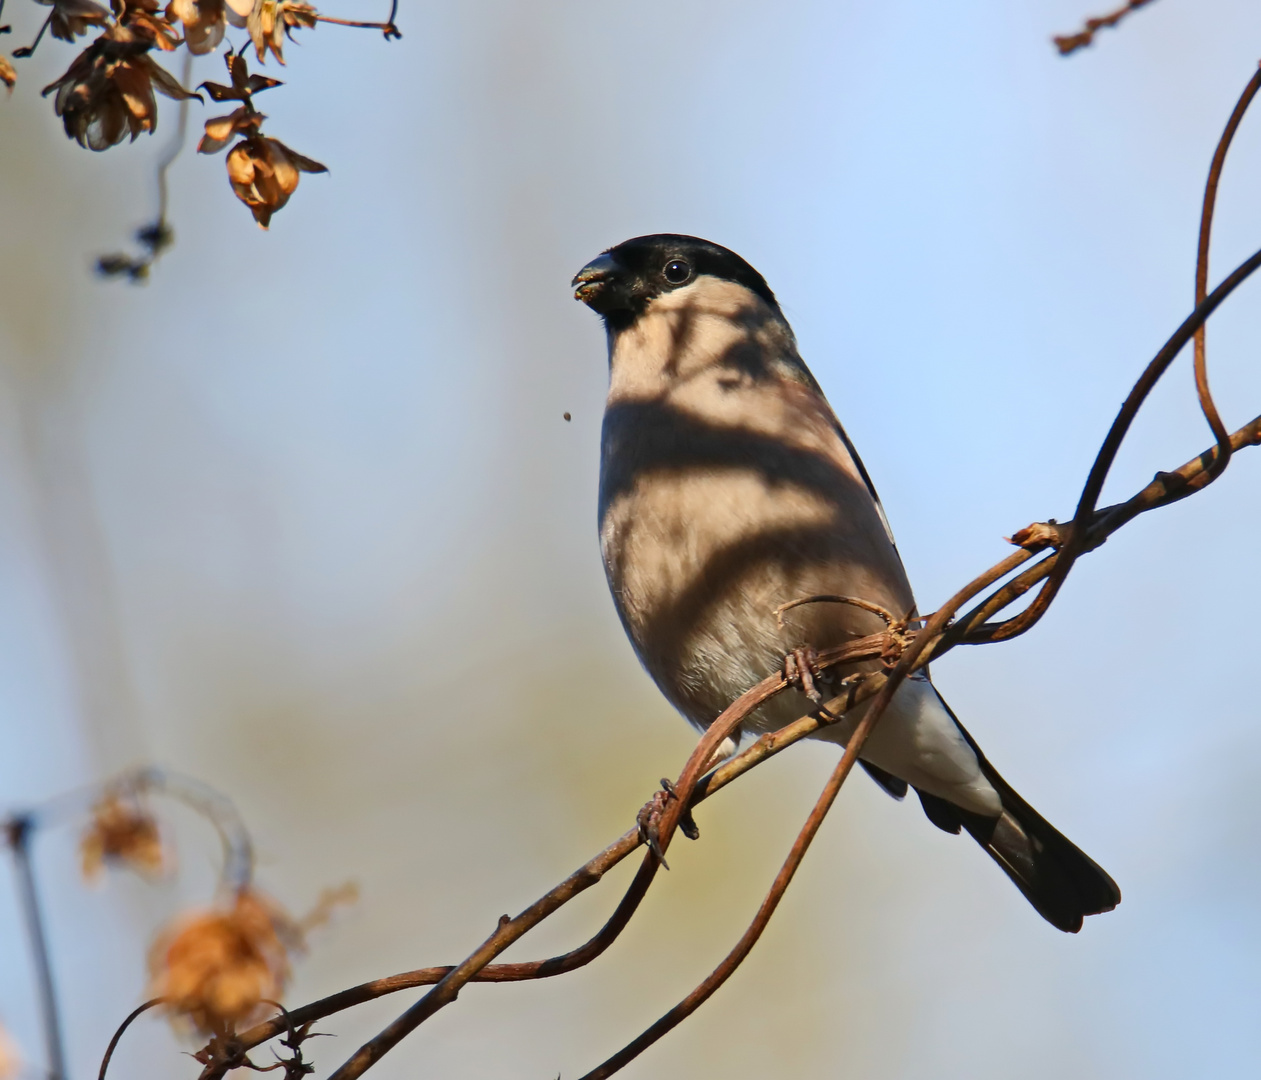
pixel 7 75
pixel 152 28
pixel 223 129
pixel 165 83
pixel 328 902
pixel 204 21
pixel 266 25
pixel 294 13
pixel 238 69
pixel 71 18
pixel 305 164
pixel 219 92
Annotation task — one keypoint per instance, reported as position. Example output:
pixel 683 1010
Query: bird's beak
pixel 593 278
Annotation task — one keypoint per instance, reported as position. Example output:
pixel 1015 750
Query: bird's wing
pixel 871 488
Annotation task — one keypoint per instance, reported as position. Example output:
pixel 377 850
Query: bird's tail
pixel 1059 879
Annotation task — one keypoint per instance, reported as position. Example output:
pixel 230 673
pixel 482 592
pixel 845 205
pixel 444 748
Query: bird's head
pixel 622 283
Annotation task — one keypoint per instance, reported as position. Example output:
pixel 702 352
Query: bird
pixel 728 491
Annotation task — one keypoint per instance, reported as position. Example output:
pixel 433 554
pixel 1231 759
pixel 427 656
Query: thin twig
pixel 387 28
pixel 834 598
pixel 1077 536
pixel 1207 406
pixel 113 1043
pixel 1168 487
pixel 1070 43
pixel 176 144
pixel 29 50
pixel 157 236
pixel 18 831
pixel 750 937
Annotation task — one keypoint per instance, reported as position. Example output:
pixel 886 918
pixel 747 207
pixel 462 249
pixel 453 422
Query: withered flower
pixel 205 22
pixel 7 75
pixel 122 831
pixel 107 93
pixel 71 18
pixel 219 968
pixel 142 19
pixel 270 21
pixel 264 172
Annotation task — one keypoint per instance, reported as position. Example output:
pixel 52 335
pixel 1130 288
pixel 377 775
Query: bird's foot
pixel 649 821
pixel 801 669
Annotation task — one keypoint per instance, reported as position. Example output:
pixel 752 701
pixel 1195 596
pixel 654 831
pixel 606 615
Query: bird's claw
pixel 801 669
pixel 649 821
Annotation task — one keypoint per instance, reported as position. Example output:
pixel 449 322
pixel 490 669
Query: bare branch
pixel 1207 405
pixel 1070 43
pixel 18 830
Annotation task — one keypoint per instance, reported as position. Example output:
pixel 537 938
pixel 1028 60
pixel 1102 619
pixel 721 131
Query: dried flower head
pixel 124 832
pixel 7 75
pixel 271 21
pixel 264 172
pixel 144 19
pixel 10 1061
pixel 71 18
pixel 107 93
pixel 204 22
pixel 219 968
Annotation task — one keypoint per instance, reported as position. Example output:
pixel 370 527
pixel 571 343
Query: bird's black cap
pixel 621 282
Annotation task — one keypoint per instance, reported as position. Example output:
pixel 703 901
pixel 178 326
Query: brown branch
pixel 1207 406
pixel 749 938
pixel 1166 488
pixel 1075 544
pixel 1070 43
pixel 909 661
pixel 387 28
pixel 833 598
pixel 113 1043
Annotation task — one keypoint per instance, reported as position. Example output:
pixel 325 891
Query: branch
pixel 18 831
pixel 1070 43
pixel 938 637
pixel 1207 405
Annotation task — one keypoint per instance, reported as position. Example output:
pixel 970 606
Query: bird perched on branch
pixel 728 490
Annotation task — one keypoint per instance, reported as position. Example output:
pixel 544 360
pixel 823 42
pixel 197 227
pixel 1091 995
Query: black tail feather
pixel 1059 879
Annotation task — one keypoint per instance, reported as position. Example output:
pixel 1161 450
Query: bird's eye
pixel 677 271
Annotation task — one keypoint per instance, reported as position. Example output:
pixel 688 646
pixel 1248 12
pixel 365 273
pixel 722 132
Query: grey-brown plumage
pixel 728 488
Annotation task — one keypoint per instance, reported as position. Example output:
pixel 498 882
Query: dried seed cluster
pixel 263 171
pixel 108 94
pixel 218 969
pixel 214 968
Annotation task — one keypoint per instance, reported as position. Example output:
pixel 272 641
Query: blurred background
pixel 302 517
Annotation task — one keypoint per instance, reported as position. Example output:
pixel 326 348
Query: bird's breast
pixel 710 521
